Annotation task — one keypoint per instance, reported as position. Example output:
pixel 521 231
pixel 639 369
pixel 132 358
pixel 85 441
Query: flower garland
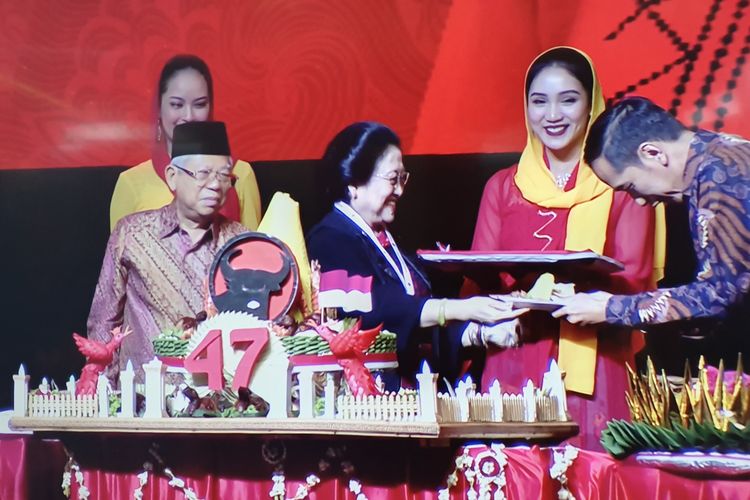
pixel 72 465
pixel 274 453
pixel 278 492
pixel 561 461
pixel 487 470
pixel 179 484
pixel 142 480
pixel 356 488
pixel 174 481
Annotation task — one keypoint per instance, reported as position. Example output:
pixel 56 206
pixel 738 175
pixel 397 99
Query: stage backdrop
pixel 77 77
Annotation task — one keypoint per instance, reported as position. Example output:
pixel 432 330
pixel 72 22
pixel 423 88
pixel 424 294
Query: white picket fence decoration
pixel 481 408
pixel 62 404
pixel 388 407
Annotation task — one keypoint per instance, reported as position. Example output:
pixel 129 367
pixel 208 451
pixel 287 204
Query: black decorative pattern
pixel 690 53
pixel 643 5
pixel 731 84
pixel 719 54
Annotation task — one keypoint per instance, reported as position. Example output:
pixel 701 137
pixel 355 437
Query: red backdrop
pixel 77 76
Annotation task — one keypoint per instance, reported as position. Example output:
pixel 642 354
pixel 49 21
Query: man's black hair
pixel 618 132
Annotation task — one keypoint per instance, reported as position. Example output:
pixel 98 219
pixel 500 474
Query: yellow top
pixel 140 188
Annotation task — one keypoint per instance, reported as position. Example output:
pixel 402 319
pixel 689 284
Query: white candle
pixel 127 392
pixel 70 385
pixel 463 401
pixel 20 392
pixel 427 387
pixel 553 383
pixel 529 402
pixel 496 399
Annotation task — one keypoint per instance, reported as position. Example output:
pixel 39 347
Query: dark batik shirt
pixel 152 276
pixel 719 210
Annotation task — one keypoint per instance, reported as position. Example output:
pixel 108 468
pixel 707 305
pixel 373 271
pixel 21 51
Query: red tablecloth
pixel 30 468
pixel 387 469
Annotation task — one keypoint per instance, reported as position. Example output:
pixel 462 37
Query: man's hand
pixel 584 308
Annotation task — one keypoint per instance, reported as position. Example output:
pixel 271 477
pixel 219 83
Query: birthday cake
pixel 266 347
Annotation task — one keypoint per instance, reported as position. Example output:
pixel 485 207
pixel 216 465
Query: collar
pixel 395 261
pixel 170 223
pixel 696 155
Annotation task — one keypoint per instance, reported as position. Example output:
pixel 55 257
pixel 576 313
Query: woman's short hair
pixel 570 60
pixel 350 158
pixel 179 63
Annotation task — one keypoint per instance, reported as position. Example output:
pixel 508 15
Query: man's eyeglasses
pixel 203 176
pixel 395 179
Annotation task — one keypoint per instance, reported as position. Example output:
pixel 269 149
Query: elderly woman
pixel 366 179
pixel 184 94
pixel 553 201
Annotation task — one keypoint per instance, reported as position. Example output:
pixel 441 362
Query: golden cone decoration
pixel 651 399
pixel 282 221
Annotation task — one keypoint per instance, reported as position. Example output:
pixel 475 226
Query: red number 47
pixel 208 358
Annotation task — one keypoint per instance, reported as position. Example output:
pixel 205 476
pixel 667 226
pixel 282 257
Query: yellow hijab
pixel 589 203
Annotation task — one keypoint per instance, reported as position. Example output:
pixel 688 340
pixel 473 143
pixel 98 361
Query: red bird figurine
pixel 98 356
pixel 349 348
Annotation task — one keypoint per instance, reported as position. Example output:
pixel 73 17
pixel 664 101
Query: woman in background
pixel 365 179
pixel 184 93
pixel 552 201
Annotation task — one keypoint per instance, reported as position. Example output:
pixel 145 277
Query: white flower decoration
pixel 83 492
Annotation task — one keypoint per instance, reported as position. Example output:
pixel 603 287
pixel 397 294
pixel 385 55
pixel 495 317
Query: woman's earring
pixel 158 130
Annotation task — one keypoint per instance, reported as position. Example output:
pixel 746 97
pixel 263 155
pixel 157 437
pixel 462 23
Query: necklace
pixel 562 180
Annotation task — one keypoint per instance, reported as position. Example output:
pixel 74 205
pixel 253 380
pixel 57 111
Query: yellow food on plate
pixel 563 290
pixel 542 289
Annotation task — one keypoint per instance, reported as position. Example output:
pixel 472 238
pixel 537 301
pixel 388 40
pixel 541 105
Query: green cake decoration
pixel 311 343
pixel 170 344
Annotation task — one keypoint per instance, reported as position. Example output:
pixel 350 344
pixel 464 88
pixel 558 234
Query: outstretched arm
pixel 722 229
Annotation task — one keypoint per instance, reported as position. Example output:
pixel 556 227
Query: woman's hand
pixel 485 310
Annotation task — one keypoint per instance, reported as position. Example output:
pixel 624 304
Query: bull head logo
pixel 249 290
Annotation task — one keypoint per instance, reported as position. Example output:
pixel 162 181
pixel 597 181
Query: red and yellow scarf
pixel 589 203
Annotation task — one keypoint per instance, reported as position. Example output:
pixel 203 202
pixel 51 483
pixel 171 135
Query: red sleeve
pixel 630 239
pixel 489 220
pixel 489 226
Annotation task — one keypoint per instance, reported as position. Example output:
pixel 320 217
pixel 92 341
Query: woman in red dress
pixel 552 201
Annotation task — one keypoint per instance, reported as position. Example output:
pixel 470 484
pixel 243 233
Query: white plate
pixel 535 304
pixel 695 462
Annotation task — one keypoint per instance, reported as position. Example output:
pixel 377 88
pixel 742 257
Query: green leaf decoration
pixel 314 344
pixel 622 438
pixel 609 442
pixel 651 442
pixel 622 435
